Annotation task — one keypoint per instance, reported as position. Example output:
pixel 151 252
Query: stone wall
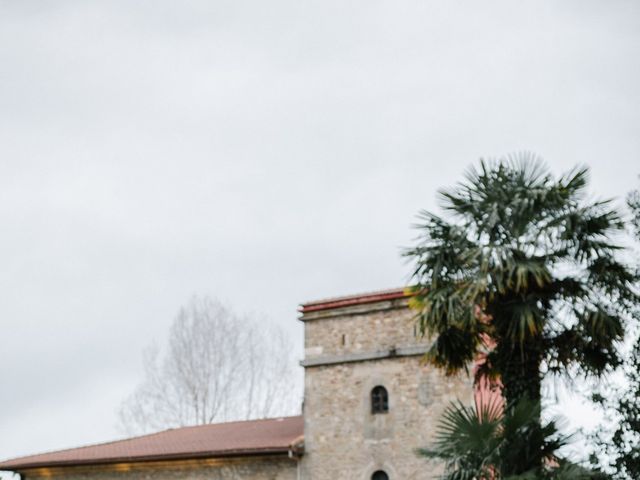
pixel 360 329
pixel 343 439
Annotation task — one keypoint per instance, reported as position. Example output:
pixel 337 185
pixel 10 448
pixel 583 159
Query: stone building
pixel 369 403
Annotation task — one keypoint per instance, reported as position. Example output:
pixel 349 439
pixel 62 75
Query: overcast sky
pixel 263 152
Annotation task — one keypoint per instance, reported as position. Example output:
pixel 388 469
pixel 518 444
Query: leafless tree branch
pixel 217 366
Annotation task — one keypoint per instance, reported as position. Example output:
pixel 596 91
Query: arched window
pixel 379 475
pixel 379 402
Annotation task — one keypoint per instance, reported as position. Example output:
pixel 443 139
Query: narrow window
pixel 379 475
pixel 379 401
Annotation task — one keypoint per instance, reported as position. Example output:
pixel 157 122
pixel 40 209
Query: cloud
pixel 266 153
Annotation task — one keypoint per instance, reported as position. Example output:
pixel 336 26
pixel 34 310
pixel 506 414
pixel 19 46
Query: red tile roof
pixel 351 300
pixel 253 437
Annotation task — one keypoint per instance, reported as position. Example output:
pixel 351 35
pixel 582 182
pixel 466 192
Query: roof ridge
pixel 253 420
pixel 370 293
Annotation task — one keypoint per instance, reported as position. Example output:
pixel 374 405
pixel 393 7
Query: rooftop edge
pixel 353 300
pixel 141 451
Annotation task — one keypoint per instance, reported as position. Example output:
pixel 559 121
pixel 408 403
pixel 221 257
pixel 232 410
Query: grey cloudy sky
pixel 264 152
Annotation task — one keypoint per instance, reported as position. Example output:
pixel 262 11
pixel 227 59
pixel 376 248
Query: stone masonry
pixel 349 351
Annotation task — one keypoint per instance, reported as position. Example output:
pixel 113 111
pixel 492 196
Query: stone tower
pixel 368 401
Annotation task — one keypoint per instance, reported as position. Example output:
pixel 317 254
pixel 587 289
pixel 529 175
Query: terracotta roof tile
pixel 216 440
pixel 351 300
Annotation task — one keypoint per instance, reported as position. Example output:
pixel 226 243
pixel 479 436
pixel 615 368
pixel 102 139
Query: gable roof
pixel 253 437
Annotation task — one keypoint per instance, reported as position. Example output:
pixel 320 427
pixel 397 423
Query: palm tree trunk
pixel 521 371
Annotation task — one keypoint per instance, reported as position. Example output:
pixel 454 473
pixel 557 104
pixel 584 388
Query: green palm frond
pixel 453 350
pixel 467 439
pixel 518 249
pixel 491 442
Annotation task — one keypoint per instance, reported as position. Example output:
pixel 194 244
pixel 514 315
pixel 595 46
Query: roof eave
pixel 280 450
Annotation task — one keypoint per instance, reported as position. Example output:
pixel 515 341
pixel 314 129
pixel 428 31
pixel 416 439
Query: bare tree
pixel 218 366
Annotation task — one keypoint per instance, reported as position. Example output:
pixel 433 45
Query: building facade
pixel 369 403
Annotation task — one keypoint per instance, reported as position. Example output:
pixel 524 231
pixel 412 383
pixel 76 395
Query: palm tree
pixel 524 272
pixel 490 443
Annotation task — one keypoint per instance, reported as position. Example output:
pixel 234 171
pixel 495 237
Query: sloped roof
pixel 253 437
